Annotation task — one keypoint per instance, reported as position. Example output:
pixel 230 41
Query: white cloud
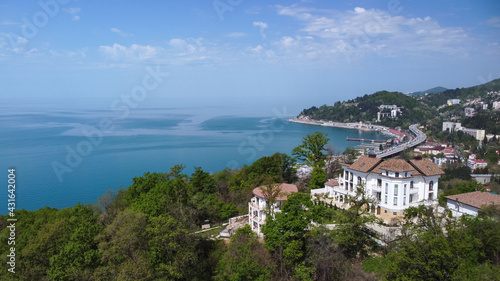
pixel 72 10
pixel 257 49
pixel 119 32
pixel 262 26
pixel 11 23
pixel 363 31
pixel 359 10
pixel 236 34
pixel 178 43
pixel 133 53
pixel 494 21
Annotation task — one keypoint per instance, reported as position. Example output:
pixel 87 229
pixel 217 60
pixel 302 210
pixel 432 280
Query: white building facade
pixel 470 203
pixel 395 184
pixel 259 209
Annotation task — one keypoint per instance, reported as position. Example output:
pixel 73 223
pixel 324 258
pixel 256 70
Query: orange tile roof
pixel 426 167
pixel 396 165
pixel 285 190
pixel 376 165
pixel 332 183
pixel 365 164
pixel 476 198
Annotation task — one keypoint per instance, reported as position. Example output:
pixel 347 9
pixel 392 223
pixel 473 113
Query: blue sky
pixel 252 55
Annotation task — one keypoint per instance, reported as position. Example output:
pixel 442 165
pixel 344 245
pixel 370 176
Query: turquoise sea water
pixel 64 157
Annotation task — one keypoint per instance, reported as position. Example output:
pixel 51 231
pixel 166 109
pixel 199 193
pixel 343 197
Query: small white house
pixel 476 163
pixel 258 205
pixel 470 203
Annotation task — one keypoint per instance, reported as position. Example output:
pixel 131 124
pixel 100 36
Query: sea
pixel 65 156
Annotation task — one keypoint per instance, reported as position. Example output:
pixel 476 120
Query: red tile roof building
pixel 395 184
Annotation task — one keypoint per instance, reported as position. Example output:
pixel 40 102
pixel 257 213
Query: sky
pixel 253 56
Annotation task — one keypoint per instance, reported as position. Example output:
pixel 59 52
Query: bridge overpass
pixel 418 138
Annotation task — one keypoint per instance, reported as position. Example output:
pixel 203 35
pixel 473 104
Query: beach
pixel 355 125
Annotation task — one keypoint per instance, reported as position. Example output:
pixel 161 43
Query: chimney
pixel 372 155
pixel 418 157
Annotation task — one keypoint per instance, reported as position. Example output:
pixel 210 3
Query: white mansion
pixel 258 205
pixel 396 184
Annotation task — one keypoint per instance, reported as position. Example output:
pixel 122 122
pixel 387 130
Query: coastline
pixel 356 126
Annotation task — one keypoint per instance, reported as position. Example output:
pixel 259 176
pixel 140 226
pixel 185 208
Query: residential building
pixel 395 184
pixel 470 203
pixel 453 101
pixel 469 111
pixel 451 126
pixel 259 207
pixel 478 134
pixel 496 105
pixel 476 163
pixel 482 178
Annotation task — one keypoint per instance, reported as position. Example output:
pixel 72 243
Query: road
pixel 418 139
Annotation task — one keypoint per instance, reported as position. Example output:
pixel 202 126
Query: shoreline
pixel 354 126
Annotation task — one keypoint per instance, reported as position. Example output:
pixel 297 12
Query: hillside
pixel 462 93
pixel 419 109
pixel 435 90
pixel 366 108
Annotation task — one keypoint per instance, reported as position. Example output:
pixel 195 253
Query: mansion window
pixel 386 188
pixel 359 181
pixel 411 184
pixel 379 183
pixel 404 200
pixel 431 196
pixel 397 174
pixel 385 199
pixel 431 186
pixel 395 190
pixel 395 201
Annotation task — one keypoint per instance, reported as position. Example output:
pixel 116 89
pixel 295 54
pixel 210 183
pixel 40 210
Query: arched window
pixel 431 186
pixel 359 180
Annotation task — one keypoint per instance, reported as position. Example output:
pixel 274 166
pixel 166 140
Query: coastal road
pixel 418 139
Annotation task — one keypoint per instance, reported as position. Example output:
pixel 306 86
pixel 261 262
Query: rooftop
pixel 285 190
pixel 332 183
pixel 417 167
pixel 476 199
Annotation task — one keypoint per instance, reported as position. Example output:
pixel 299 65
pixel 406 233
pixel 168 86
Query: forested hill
pixel 462 93
pixel 366 108
pixel 413 109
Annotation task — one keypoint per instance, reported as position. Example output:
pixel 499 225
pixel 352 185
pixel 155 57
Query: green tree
pixel 78 255
pixel 312 150
pixel 318 178
pixel 123 248
pixel 352 233
pixel 284 234
pixel 245 259
pixel 350 155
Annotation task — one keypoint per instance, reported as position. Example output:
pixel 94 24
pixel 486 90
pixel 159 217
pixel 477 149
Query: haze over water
pixel 62 157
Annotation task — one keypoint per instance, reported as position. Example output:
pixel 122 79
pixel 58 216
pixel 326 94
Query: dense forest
pixel 149 231
pixel 420 109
